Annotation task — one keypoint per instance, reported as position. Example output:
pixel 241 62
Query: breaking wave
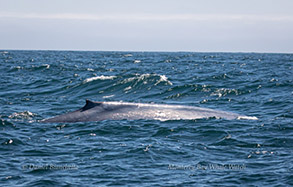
pixel 102 77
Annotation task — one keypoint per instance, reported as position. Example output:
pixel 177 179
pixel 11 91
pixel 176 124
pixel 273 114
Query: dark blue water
pixel 40 84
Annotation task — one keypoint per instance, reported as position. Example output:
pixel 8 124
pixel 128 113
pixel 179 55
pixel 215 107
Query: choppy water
pixel 39 84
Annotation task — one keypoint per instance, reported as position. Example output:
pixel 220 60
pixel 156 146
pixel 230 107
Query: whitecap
pixel 90 69
pixel 23 115
pixel 127 88
pixel 108 96
pixel 102 77
pixel 224 91
pixel 46 65
pixel 163 78
pixel 247 117
pixel 137 77
pixel 142 77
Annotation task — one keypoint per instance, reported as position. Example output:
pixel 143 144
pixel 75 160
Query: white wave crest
pixel 47 66
pixel 247 117
pixel 108 96
pixel 163 78
pixel 102 77
pixel 143 77
pixel 22 115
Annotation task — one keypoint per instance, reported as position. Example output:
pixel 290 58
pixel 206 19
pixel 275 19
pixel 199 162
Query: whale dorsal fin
pixel 90 104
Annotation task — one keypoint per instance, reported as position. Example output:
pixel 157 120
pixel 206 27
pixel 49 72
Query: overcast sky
pixel 148 25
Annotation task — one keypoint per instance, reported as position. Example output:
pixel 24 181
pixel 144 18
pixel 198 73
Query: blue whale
pixel 98 111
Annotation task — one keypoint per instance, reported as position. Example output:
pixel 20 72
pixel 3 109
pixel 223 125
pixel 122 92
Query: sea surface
pixel 40 84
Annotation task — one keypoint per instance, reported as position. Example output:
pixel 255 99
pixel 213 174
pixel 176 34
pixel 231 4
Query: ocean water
pixel 40 84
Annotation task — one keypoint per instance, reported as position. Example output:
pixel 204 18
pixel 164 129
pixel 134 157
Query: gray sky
pixel 149 25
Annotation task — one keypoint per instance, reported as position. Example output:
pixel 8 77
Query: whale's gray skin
pixel 98 111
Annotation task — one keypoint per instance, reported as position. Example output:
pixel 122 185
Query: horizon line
pixel 146 17
pixel 146 51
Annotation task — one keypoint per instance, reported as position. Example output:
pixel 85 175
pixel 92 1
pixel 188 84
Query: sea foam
pixel 102 77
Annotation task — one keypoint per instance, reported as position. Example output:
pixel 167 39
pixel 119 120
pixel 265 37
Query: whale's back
pixel 98 111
